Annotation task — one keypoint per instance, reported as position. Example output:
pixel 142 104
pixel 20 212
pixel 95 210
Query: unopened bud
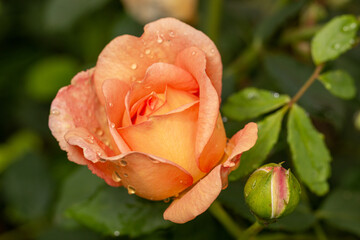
pixel 272 192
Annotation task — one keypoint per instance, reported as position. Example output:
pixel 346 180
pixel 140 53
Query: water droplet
pixel 147 86
pixel 99 132
pixel 159 39
pixel 155 161
pixel 181 181
pixel 110 104
pixel 193 53
pixel 251 95
pixel 98 153
pixel 91 139
pixel 107 143
pixel 102 160
pixel 140 81
pixel 352 26
pixel 166 200
pixel 171 34
pixel 133 66
pixel 336 46
pixel 116 233
pixel 55 112
pixel 112 125
pixel 224 119
pixel 131 190
pixel 147 51
pixel 212 50
pixel 346 28
pixel 123 163
pixel 126 175
pixel 116 177
pixel 276 95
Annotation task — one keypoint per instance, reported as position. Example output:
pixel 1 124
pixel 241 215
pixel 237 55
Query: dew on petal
pixel 116 177
pixel 99 132
pixel 159 39
pixel 126 175
pixel 116 233
pixel 133 66
pixel 123 163
pixel 147 51
pixel 171 34
pixel 112 125
pixel 131 190
pixel 166 200
pixel 55 112
pixel 110 104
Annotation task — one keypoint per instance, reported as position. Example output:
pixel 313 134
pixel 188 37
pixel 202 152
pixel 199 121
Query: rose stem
pixel 223 217
pixel 214 19
pixel 307 84
pixel 252 231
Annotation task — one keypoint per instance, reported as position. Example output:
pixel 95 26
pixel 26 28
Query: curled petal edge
pixel 199 198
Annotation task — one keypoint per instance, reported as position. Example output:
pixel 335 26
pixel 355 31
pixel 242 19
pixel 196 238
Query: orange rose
pixel 147 118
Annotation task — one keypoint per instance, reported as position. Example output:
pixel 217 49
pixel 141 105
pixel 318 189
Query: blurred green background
pixel 263 43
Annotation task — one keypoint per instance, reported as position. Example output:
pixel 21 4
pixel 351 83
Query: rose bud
pixel 146 117
pixel 272 192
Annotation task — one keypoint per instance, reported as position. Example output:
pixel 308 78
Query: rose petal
pixel 77 106
pixel 194 61
pixel 242 141
pixel 115 92
pixel 214 149
pixel 126 58
pixel 151 177
pixel 170 136
pixel 196 200
pixel 200 197
pixel 160 75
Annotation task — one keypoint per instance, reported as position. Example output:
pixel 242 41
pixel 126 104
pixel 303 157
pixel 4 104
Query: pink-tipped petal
pixel 126 58
pixel 77 106
pixel 197 199
pixel 242 141
pixel 150 177
pixel 193 60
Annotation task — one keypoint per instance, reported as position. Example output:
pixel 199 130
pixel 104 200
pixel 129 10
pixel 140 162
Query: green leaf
pixel 62 14
pixel 339 83
pixel 310 155
pixel 252 102
pixel 113 211
pixel 269 130
pixel 27 188
pixel 77 188
pixel 48 75
pixel 335 38
pixel 341 209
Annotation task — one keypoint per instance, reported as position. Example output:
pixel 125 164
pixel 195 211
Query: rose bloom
pixel 146 117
